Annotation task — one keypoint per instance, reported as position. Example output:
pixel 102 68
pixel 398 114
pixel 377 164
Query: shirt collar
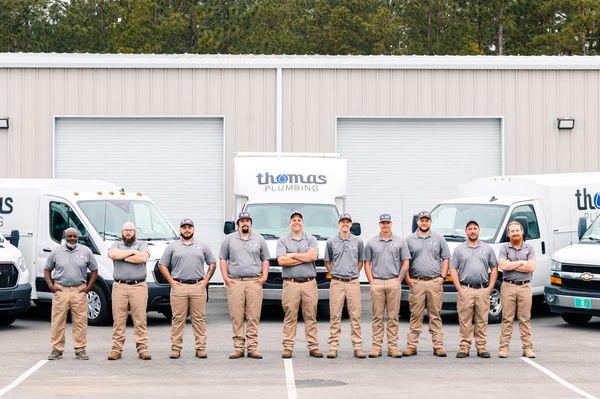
pixel 303 237
pixel 477 245
pixel 344 239
pixel 523 245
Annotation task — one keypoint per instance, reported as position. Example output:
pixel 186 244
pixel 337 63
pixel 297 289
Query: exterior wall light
pixel 565 123
pixel 3 122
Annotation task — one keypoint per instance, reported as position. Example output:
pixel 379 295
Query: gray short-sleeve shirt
pixel 186 261
pixel 244 257
pixel 512 254
pixel 344 255
pixel 474 263
pixel 428 254
pixel 287 244
pixel 126 270
pixel 71 266
pixel 386 256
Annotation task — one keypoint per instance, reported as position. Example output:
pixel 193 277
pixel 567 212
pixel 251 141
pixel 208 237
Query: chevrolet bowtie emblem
pixel 586 276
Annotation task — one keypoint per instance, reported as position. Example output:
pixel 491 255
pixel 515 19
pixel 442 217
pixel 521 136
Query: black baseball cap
pixel 294 213
pixel 186 222
pixel 471 221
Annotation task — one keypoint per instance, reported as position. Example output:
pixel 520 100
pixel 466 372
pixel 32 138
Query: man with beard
pixel 69 264
pixel 474 270
pixel 517 261
pixel 386 264
pixel 428 268
pixel 182 264
pixel 244 267
pixel 129 291
pixel 296 254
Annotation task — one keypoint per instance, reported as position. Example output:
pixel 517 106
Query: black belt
pixel 130 282
pixel 298 280
pixel 346 280
pixel 517 282
pixel 476 286
pixel 196 281
pixel 386 278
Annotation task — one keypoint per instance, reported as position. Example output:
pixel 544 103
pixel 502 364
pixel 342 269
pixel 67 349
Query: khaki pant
pixel 516 299
pixel 135 298
pixel 69 298
pixel 473 308
pixel 385 298
pixel 190 297
pixel 296 295
pixel 425 295
pixel 338 291
pixel 244 299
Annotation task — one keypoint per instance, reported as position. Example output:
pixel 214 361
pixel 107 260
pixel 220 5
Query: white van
pixel 40 210
pixel 15 290
pixel 549 205
pixel 272 185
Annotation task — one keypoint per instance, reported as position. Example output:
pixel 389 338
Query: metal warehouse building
pixel 412 128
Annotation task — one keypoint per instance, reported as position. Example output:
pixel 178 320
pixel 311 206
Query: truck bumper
pixel 15 300
pixel 562 300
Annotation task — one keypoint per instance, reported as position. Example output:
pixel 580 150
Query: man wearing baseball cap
pixel 344 258
pixel 182 264
pixel 474 270
pixel 296 254
pixel 428 268
pixel 386 264
pixel 245 266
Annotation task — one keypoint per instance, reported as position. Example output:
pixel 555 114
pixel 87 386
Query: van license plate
pixel 583 303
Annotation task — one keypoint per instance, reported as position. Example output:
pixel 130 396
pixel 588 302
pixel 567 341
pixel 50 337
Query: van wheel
pixel 167 313
pixel 495 315
pixel 6 321
pixel 99 312
pixel 576 319
pixel 405 311
pixel 323 309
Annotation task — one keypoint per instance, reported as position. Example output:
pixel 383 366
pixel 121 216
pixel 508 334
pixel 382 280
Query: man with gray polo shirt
pixel 129 291
pixel 182 264
pixel 517 261
pixel 428 268
pixel 296 254
pixel 344 258
pixel 244 267
pixel 66 275
pixel 474 270
pixel 386 264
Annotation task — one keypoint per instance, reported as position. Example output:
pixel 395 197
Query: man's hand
pixel 262 280
pixel 55 288
pixel 174 283
pixel 439 280
pixel 85 290
pixel 203 283
pixel 228 281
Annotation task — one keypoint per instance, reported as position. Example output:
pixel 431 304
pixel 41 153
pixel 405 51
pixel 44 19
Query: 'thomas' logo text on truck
pixel 290 181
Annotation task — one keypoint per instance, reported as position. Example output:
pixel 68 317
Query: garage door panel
pixel 402 166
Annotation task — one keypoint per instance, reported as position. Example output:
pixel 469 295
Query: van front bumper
pixel 15 300
pixel 562 300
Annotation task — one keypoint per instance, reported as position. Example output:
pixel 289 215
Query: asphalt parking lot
pixel 567 363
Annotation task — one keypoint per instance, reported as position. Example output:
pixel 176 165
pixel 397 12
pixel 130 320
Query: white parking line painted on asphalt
pixel 558 379
pixel 22 377
pixel 290 380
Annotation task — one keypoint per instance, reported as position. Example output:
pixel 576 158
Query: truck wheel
pixel 576 319
pixel 323 310
pixel 99 311
pixel 495 315
pixel 6 321
pixel 405 312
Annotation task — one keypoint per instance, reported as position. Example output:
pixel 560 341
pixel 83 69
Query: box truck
pixel 272 185
pixel 548 205
pixel 574 287
pixel 40 210
pixel 15 289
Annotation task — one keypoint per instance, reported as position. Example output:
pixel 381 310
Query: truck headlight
pixel 21 264
pixel 555 266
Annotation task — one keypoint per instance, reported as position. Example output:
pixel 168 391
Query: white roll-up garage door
pixel 403 166
pixel 178 162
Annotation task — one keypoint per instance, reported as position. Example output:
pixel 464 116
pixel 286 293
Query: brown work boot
pixel 316 353
pixel 81 355
pixel 439 352
pixel 528 353
pixel 201 354
pixel 114 355
pixel 503 352
pixel 375 352
pixel 175 354
pixel 144 355
pixel 409 352
pixel 394 352
pixel 55 355
pixel 286 354
pixel 236 354
pixel 359 354
pixel 255 355
pixel 461 354
pixel 332 354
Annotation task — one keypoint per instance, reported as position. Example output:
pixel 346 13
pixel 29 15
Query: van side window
pixel 533 229
pixel 61 218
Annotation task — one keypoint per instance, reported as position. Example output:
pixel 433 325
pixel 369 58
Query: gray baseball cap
pixel 244 215
pixel 471 221
pixel 186 221
pixel 424 214
pixel 295 212
pixel 385 217
pixel 345 216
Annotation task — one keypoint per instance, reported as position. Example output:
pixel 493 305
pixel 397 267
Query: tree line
pixel 392 27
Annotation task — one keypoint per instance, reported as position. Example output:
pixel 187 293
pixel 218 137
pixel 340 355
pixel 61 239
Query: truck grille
pixel 8 275
pixel 575 284
pixel 580 268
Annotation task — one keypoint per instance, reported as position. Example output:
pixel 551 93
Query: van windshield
pixel 450 220
pixel 273 220
pixel 593 233
pixel 108 216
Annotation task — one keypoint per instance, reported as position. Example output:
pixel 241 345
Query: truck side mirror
pixel 14 238
pixel 581 226
pixel 229 227
pixel 355 229
pixel 523 222
pixel 414 223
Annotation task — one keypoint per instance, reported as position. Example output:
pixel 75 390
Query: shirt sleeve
pixel 51 262
pixel 445 253
pixel 165 259
pixel 404 251
pixel 503 252
pixel 368 252
pixel 264 250
pixel 224 251
pixel 328 252
pixel 493 262
pixel 92 264
pixel 281 250
pixel 455 259
pixel 531 254
pixel 115 245
pixel 144 248
pixel 209 257
pixel 361 250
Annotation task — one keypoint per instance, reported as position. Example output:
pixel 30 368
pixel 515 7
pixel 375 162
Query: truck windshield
pixel 593 233
pixel 450 220
pixel 108 216
pixel 273 220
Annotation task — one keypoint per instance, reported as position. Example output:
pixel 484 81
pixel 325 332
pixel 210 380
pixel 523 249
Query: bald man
pixel 129 291
pixel 66 273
